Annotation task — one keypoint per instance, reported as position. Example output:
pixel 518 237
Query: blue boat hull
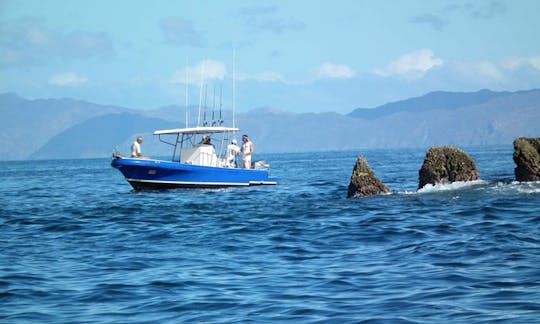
pixel 157 174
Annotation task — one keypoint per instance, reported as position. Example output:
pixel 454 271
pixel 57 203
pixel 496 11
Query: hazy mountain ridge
pixel 432 101
pixel 438 118
pixel 66 128
pixel 27 125
pixel 104 131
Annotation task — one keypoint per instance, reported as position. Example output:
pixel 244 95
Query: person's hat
pixel 234 141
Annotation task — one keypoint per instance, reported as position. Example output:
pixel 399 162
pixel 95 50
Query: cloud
pixel 69 79
pixel 215 70
pixel 490 10
pixel 482 72
pixel 254 11
pixel 202 71
pixel 522 62
pixel 500 72
pixel 334 71
pixel 412 65
pixel 266 18
pixel 29 41
pixel 435 21
pixel 478 10
pixel 179 31
pixel 508 73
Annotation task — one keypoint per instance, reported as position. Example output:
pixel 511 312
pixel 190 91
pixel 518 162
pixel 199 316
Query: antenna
pixel 214 106
pixel 187 92
pixel 234 90
pixel 205 105
pixel 220 104
pixel 200 95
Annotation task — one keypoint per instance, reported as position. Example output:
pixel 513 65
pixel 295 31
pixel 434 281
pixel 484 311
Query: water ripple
pixel 87 248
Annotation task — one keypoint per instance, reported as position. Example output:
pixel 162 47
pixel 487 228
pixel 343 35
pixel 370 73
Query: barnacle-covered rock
pixel 527 159
pixel 446 165
pixel 363 181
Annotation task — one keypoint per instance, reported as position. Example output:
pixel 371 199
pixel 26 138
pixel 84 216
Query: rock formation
pixel 527 159
pixel 363 181
pixel 445 165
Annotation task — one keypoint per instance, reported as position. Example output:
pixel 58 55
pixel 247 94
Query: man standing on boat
pixel 232 152
pixel 247 152
pixel 136 148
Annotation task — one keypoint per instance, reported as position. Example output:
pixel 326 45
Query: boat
pixel 193 164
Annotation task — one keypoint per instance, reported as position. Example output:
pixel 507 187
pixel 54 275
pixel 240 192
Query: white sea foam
pixel 501 187
pixel 458 185
pixel 527 187
pixel 406 192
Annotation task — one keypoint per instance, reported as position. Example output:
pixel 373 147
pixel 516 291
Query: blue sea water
pixel 79 245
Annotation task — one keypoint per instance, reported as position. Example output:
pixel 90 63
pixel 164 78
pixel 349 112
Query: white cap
pixel 234 141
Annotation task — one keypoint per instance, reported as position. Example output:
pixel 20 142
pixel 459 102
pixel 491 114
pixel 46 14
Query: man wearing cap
pixel 232 152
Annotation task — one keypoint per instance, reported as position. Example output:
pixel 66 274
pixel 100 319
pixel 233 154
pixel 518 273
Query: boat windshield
pixel 198 145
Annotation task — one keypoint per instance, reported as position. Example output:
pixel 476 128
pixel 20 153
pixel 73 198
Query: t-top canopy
pixel 197 130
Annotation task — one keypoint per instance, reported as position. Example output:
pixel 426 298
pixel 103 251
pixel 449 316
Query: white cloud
pixel 334 71
pixel 482 72
pixel 411 65
pixel 522 62
pixel 205 70
pixel 498 73
pixel 69 79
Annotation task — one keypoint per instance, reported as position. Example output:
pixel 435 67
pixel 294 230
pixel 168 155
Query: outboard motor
pixel 261 165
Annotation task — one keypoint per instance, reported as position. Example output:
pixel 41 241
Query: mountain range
pixel 68 128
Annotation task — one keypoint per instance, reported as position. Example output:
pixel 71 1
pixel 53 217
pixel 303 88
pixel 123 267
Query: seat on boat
pixel 201 154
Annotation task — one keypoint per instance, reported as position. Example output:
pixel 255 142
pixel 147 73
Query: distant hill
pixel 98 136
pixel 66 128
pixel 438 118
pixel 434 101
pixel 27 125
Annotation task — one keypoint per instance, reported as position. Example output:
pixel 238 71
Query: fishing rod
pixel 214 106
pixel 220 104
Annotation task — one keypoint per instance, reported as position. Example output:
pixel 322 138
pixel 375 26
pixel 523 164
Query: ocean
pixel 79 245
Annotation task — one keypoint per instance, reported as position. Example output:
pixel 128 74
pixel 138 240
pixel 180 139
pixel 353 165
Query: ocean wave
pixel 496 186
pixel 505 187
pixel 298 251
pixel 458 185
pixel 528 187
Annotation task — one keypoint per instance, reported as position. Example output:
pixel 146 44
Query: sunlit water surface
pixel 79 245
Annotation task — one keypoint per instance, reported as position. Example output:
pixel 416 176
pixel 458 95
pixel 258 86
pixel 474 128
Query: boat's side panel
pixel 164 174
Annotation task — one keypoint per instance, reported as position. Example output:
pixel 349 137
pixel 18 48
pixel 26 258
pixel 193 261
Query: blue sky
pixel 297 56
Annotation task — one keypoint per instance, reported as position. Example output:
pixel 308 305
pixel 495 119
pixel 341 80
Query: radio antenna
pixel 234 90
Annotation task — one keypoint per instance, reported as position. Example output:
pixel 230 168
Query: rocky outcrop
pixel 363 181
pixel 445 165
pixel 527 159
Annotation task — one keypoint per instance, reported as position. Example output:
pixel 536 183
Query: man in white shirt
pixel 247 152
pixel 232 151
pixel 136 148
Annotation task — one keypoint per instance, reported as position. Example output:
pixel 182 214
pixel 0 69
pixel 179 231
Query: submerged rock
pixel 363 181
pixel 445 165
pixel 527 159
